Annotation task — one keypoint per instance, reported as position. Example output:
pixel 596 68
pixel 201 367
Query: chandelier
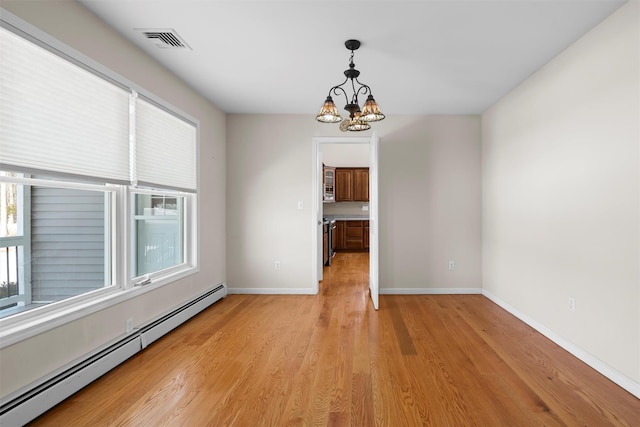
pixel 358 119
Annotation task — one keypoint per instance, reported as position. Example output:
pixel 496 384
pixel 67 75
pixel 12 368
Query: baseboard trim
pixel 617 377
pixel 270 291
pixel 430 291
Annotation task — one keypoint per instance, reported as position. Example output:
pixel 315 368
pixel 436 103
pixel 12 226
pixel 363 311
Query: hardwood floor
pixel 438 360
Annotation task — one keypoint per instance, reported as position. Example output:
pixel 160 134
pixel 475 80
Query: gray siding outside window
pixel 67 243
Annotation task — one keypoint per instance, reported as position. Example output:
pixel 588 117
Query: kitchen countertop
pixel 348 217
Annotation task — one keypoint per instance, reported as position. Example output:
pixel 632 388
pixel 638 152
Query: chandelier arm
pixel 362 89
pixel 366 88
pixel 339 86
pixel 335 89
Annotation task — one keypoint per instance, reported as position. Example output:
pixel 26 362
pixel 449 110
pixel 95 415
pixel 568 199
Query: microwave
pixel 328 184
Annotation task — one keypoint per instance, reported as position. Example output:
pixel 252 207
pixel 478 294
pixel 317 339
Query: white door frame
pixel 316 223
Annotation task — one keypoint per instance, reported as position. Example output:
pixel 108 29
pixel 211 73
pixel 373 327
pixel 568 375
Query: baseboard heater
pixel 45 396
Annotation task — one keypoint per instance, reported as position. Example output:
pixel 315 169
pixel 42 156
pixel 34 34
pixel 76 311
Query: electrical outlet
pixel 572 304
pixel 129 324
pixel 452 265
pixel 277 265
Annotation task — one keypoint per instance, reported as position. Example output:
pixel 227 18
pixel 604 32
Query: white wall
pixel 345 155
pixel 71 23
pixel 561 207
pixel 268 172
pixel 429 202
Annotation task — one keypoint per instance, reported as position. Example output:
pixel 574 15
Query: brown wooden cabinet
pixel 361 185
pixel 365 237
pixel 344 185
pixel 352 184
pixel 352 235
pixel 340 235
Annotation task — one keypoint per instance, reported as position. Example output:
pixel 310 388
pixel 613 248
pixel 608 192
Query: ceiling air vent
pixel 164 38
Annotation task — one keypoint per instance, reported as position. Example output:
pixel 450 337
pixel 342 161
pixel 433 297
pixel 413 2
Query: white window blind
pixel 165 148
pixel 58 117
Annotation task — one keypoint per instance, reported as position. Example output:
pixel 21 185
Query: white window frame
pixel 189 231
pixel 21 326
pixel 45 312
pixel 24 240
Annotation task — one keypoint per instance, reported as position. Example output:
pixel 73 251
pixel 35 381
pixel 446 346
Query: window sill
pixel 22 326
pixel 6 312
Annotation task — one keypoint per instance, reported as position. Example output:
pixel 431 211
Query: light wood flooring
pixel 330 360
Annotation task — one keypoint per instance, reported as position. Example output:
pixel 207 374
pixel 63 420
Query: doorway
pixel 317 226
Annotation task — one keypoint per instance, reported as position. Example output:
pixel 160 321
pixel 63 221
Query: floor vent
pixel 39 399
pixel 164 38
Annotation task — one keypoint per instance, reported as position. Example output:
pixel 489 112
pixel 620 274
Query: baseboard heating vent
pixel 37 401
pixel 165 324
pixel 29 405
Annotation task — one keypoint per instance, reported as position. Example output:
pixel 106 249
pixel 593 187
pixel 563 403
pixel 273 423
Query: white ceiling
pixel 419 57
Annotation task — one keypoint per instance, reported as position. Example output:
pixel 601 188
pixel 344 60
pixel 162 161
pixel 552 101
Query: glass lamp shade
pixel 371 112
pixel 328 113
pixel 356 124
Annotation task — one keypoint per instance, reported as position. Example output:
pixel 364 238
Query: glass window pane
pixel 61 250
pixel 67 242
pixel 158 233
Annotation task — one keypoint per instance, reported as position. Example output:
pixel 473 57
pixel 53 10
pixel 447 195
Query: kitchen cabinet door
pixel 340 235
pixel 361 185
pixel 354 237
pixel 352 185
pixel 344 185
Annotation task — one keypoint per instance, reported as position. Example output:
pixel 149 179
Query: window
pixel 54 243
pixel 87 159
pixel 158 233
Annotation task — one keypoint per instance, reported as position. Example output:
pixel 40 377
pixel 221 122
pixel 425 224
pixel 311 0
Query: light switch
pixel 300 205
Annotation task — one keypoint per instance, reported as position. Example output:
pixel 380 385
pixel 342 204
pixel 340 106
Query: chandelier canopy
pixel 358 119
